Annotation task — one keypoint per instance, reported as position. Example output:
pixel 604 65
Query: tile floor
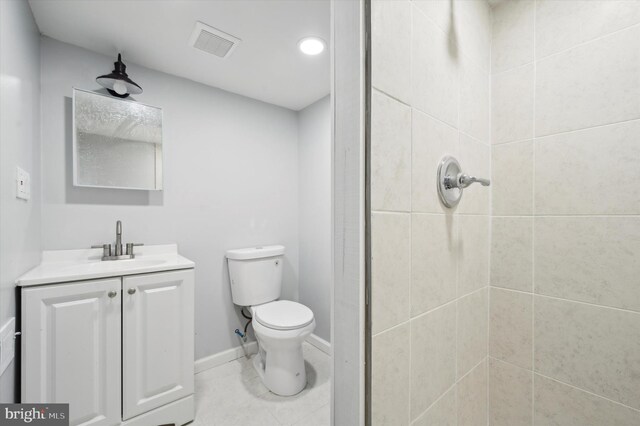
pixel 233 395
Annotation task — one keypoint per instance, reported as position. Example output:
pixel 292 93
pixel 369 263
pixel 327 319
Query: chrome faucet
pixel 118 238
pixel 118 255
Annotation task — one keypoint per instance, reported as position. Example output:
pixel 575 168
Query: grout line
pixel 570 215
pixel 585 391
pixel 561 51
pixel 435 213
pixel 439 120
pixel 535 373
pixel 411 201
pixel 533 222
pixel 449 302
pixel 536 138
pixel 489 239
pixel 530 139
pixel 582 129
pixel 475 139
pixel 584 43
pixel 486 69
pixel 450 388
pixel 628 311
pixel 455 223
pixel 514 68
pixel 390 96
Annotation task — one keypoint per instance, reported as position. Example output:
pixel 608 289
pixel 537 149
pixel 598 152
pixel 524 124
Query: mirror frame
pixel 159 176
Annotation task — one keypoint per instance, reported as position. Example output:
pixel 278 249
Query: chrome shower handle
pixel 466 180
pixel 462 181
pixel 451 181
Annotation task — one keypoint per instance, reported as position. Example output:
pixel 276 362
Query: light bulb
pixel 119 87
pixel 311 45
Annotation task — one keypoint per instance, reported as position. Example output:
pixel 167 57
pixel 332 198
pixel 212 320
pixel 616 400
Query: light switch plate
pixel 23 184
pixel 7 343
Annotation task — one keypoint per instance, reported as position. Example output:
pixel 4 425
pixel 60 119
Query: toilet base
pixel 280 361
pixel 285 378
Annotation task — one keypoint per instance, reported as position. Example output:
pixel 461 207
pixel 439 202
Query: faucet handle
pixel 106 249
pixel 130 247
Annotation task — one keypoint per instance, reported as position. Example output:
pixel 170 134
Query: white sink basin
pixel 108 265
pixel 74 265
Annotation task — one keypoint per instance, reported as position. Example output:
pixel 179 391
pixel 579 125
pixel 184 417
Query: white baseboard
pixel 319 343
pixel 223 357
pixel 249 348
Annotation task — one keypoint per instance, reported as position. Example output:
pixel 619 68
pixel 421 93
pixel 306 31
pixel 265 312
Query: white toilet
pixel 280 325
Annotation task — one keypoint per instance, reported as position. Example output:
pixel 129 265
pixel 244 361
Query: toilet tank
pixel 255 274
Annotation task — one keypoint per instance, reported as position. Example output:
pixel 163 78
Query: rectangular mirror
pixel 117 143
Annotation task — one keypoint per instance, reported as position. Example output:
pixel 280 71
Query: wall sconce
pixel 118 82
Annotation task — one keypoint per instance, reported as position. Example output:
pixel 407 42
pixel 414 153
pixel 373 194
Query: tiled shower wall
pixel 430 271
pixel 565 260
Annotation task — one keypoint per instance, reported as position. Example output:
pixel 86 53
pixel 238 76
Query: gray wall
pixel 314 155
pixel 19 146
pixel 230 180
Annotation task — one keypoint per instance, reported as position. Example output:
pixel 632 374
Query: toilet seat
pixel 283 315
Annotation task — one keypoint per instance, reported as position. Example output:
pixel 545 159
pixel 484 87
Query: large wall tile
pixel 390 154
pixel 434 258
pixel 593 171
pixel 442 413
pixel 560 405
pixel 391 47
pixel 472 394
pixel 389 377
pixel 510 395
pixel 589 259
pixel 473 253
pixel 511 327
pixel 512 179
pixel 434 70
pixel 513 35
pixel 431 140
pixel 512 105
pixel 475 160
pixel 442 12
pixel 512 253
pixel 591 347
pixel 391 269
pixel 589 85
pixel 433 355
pixel 472 330
pixel 475 101
pixel 561 25
pixel 473 31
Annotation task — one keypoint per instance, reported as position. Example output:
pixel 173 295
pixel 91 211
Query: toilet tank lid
pixel 255 252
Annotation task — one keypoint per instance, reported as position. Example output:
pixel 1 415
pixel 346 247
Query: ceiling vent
pixel 213 41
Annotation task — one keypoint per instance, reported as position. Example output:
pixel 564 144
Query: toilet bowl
pixel 280 328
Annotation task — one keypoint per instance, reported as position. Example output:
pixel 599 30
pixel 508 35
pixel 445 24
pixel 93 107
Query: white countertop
pixel 74 265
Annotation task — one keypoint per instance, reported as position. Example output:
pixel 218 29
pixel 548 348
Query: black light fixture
pixel 118 82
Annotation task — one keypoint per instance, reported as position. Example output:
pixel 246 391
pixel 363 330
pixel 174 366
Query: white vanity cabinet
pixel 157 340
pixel 71 348
pixel 119 350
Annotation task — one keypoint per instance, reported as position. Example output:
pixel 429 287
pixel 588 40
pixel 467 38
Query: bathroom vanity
pixel 114 339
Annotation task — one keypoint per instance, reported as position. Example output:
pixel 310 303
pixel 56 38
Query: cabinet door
pixel 158 339
pixel 71 349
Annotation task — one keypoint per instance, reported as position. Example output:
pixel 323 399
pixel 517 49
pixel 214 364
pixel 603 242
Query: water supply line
pixel 242 335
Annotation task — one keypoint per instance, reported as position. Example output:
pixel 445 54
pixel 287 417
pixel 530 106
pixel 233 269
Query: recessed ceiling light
pixel 311 45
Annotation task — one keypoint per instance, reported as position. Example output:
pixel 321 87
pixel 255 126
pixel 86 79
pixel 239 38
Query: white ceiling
pixel 267 65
